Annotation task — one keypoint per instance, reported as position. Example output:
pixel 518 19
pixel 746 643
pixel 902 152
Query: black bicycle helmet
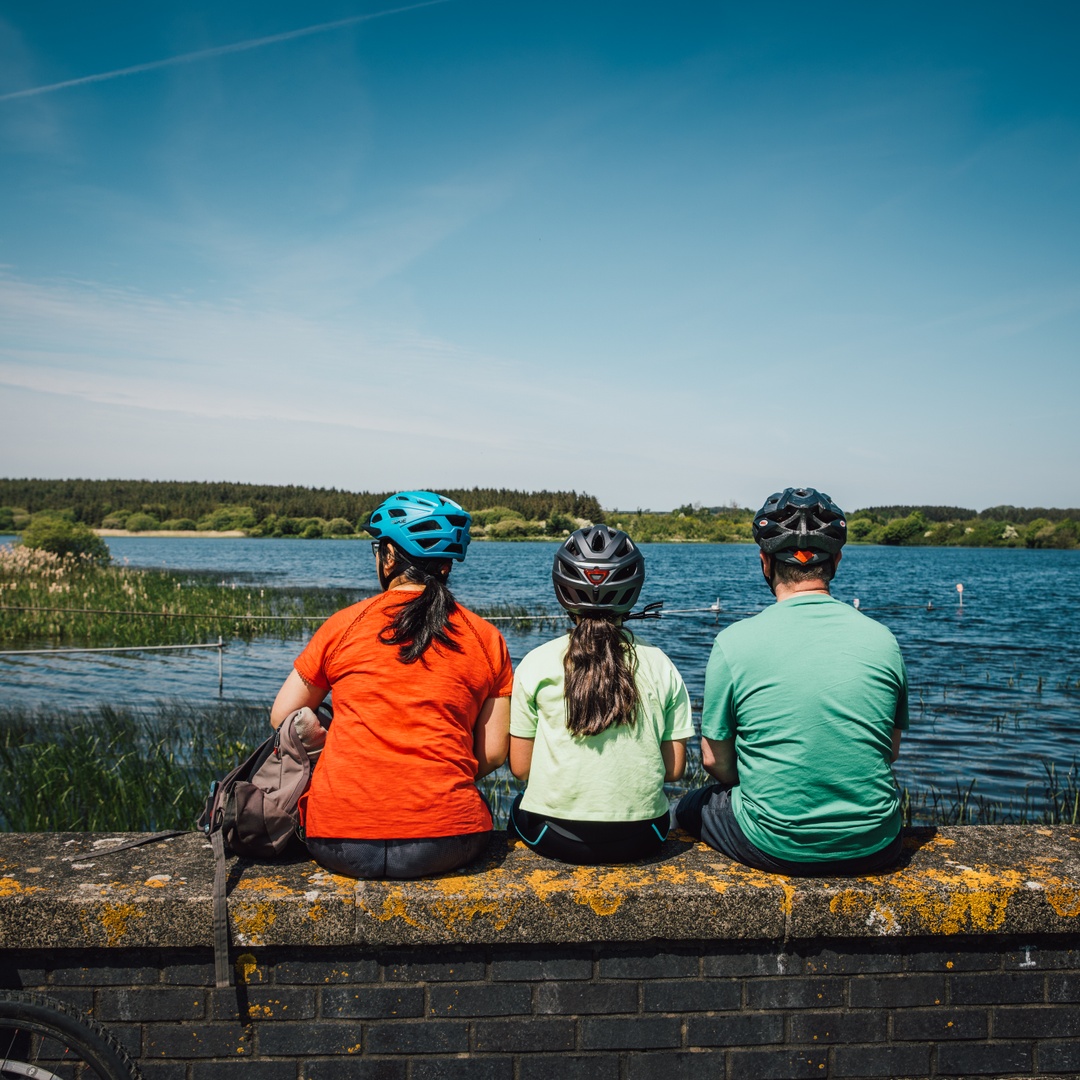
pixel 598 569
pixel 800 526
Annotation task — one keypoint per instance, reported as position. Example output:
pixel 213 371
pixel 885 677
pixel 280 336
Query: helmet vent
pixel 395 512
pixel 457 520
pixel 426 525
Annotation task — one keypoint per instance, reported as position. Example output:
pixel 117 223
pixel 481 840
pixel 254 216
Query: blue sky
pixel 659 253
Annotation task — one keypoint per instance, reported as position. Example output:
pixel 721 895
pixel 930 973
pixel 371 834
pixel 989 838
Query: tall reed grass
pixel 135 769
pixel 48 599
pixel 122 769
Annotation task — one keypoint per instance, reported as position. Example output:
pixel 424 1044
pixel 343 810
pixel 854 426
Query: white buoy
pixel 855 603
pixel 960 593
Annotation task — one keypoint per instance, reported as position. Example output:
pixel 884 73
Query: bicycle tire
pixel 45 1039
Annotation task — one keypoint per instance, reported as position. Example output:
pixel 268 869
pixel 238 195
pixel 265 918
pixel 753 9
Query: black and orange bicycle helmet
pixel 801 526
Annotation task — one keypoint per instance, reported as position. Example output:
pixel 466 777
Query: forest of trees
pixel 94 500
pixel 498 513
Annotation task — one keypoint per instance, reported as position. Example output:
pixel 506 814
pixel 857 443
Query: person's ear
pixel 388 560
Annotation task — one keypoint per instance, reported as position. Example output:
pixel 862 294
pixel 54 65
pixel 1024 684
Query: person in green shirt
pixel 803 711
pixel 598 718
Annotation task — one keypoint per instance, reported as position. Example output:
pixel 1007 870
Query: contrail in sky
pixel 219 50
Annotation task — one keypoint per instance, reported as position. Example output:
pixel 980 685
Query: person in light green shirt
pixel 803 712
pixel 598 718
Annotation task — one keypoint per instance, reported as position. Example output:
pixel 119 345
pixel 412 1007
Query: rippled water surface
pixel 995 684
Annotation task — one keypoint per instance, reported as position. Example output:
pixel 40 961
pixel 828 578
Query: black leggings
pixel 397 858
pixel 588 842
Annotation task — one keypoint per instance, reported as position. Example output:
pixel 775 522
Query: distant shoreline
pixel 210 534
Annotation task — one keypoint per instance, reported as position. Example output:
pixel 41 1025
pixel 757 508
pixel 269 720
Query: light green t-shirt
pixel 617 775
pixel 810 690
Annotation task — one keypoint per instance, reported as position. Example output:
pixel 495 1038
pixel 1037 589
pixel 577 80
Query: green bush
pixel 117 519
pixel 904 530
pixel 514 529
pixel 7 519
pixel 140 522
pixel 558 523
pixel 339 527
pixel 179 525
pixel 493 514
pixel 226 518
pixel 62 537
pixel 312 530
pixel 53 514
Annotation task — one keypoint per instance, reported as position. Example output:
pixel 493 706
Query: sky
pixel 659 253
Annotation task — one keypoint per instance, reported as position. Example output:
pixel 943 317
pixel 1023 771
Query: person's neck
pixel 815 586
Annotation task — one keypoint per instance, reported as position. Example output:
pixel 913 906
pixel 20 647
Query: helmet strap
pixel 770 562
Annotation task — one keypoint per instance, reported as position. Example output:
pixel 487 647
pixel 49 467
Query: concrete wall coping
pixel 59 890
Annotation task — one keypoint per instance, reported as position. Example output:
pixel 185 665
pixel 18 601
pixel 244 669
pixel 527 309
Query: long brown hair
pixel 600 689
pixel 425 616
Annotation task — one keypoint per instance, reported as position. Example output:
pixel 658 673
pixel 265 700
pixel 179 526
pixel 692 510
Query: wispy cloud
pixel 218 50
pixel 111 346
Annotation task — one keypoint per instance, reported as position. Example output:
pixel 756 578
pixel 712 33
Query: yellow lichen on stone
pixel 1065 901
pixel 393 907
pixel 266 885
pixel 9 886
pixel 252 921
pixel 114 919
pixel 247 968
pixel 544 882
pixel 864 906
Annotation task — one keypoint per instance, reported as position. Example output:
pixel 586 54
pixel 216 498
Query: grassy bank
pixel 129 769
pixel 49 600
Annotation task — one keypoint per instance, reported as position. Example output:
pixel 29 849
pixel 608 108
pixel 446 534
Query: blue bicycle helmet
pixel 422 524
pixel 802 526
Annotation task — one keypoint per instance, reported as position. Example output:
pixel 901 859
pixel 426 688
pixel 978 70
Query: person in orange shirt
pixel 421 707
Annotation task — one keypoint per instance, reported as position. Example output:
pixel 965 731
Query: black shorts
pixel 589 842
pixel 707 814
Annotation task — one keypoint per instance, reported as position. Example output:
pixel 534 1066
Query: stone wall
pixel 963 962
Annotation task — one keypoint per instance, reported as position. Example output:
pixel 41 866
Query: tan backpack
pixel 253 811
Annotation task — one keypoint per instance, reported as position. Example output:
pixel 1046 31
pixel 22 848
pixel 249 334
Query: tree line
pixel 93 501
pixel 498 513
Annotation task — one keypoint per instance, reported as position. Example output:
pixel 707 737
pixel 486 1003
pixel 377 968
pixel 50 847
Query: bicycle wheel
pixel 48 1040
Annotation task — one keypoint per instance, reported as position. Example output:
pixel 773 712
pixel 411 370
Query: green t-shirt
pixel 617 775
pixel 811 690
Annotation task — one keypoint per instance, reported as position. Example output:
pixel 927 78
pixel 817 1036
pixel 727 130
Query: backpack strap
pixel 222 970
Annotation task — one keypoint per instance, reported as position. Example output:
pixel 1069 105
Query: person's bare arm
pixel 521 751
pixel 294 694
pixel 896 733
pixel 491 736
pixel 718 760
pixel 674 754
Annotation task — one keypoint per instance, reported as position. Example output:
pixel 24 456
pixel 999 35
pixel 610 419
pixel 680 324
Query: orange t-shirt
pixel 399 762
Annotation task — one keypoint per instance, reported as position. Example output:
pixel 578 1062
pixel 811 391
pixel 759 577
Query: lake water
pixel 995 684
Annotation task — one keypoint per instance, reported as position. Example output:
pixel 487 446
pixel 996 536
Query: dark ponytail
pixel 425 617
pixel 599 668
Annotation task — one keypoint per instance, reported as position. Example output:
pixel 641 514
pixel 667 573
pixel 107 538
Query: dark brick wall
pixel 924 1008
